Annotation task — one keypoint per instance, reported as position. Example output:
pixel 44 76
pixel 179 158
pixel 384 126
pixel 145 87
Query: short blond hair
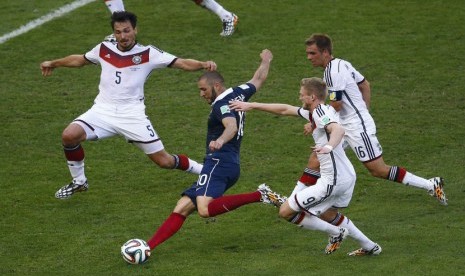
pixel 315 86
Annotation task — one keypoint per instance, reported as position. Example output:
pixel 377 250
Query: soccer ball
pixel 135 251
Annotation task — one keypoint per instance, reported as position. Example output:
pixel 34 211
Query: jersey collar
pixel 222 95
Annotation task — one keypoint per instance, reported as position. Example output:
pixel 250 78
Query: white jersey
pixel 360 130
pixel 124 73
pixel 335 186
pixel 335 164
pixel 342 78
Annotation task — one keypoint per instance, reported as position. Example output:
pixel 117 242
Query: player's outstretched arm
pixel 194 65
pixel 275 108
pixel 262 72
pixel 69 61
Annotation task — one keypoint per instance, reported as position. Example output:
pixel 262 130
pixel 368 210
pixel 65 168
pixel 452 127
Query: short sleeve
pixel 323 116
pixel 248 90
pixel 304 113
pixel 159 58
pixel 93 55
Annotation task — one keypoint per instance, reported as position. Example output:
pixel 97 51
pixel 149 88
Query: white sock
pixel 114 5
pixel 76 168
pixel 356 234
pixel 416 181
pixel 194 167
pixel 314 223
pixel 217 9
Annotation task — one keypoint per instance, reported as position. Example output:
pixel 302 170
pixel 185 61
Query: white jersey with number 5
pixel 124 73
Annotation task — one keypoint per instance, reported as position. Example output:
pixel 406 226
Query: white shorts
pixel 362 140
pixel 318 198
pixel 102 121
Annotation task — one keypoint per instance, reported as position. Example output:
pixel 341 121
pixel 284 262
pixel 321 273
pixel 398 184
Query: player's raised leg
pixel 434 186
pixel 114 5
pixel 228 18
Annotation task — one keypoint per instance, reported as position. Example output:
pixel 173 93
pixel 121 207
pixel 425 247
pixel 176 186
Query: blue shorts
pixel 216 177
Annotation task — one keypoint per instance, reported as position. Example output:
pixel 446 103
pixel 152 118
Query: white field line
pixel 44 19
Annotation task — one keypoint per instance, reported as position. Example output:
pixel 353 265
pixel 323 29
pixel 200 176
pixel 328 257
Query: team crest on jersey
pixel 136 59
pixel 225 109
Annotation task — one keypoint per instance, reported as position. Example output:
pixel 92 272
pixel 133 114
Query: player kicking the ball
pixel 334 188
pixel 221 169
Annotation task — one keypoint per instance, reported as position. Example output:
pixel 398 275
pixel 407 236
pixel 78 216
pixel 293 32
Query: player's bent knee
pixel 203 212
pixel 184 206
pixel 69 138
pixel 73 135
pixel 286 212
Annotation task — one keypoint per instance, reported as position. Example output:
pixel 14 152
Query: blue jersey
pixel 221 110
pixel 221 168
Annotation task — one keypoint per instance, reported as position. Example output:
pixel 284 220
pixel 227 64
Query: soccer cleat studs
pixel 68 190
pixel 270 197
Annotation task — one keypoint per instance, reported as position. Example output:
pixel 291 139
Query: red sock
pixel 74 154
pixel 396 174
pixel 230 202
pixel 309 177
pixel 182 162
pixel 171 225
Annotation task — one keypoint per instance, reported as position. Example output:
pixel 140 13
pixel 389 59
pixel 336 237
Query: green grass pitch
pixel 412 52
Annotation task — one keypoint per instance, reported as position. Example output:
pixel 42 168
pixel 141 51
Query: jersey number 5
pixel 150 129
pixel 118 77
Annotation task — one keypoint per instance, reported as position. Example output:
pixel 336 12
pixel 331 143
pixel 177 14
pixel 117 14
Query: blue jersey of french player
pixel 220 110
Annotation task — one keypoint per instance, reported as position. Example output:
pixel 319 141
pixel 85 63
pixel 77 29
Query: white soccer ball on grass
pixel 135 251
